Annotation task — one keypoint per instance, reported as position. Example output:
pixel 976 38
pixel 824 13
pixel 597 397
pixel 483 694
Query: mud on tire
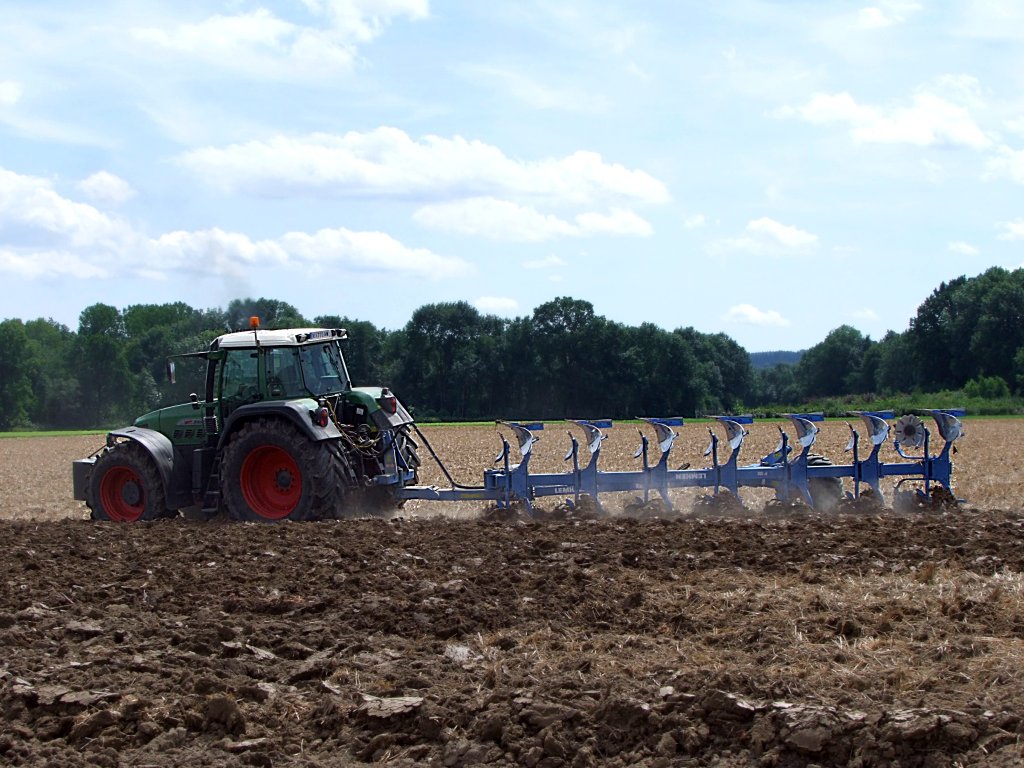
pixel 271 471
pixel 125 486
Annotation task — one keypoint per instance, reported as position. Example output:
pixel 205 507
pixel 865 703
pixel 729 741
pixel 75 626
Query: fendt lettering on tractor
pixel 282 434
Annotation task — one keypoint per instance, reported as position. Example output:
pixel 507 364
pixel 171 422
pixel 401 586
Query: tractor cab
pixel 253 366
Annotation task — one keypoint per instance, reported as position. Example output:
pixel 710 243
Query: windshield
pixel 323 370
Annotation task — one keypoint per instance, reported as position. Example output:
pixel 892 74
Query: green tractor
pixel 280 435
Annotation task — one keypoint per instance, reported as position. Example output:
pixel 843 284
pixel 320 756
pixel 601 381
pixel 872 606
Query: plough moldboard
pixel 791 470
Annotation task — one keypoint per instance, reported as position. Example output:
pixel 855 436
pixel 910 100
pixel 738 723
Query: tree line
pixel 452 362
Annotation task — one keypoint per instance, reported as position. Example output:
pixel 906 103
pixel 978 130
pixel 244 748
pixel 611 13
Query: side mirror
pixel 194 398
pixel 170 372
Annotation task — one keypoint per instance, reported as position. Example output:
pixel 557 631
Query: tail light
pixel 321 416
pixel 388 401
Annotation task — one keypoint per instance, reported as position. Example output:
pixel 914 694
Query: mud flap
pixel 81 470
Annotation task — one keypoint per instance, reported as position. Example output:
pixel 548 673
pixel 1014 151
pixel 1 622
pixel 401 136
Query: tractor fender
pixel 157 445
pixel 296 412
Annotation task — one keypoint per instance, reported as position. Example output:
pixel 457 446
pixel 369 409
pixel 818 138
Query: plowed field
pixel 446 637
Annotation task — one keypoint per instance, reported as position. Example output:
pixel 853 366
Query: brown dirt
pixel 749 637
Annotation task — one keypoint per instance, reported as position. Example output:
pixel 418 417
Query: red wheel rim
pixel 271 482
pixel 122 494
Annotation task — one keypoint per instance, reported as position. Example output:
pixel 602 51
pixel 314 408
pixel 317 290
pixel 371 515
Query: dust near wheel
pixel 125 486
pixel 827 492
pixel 271 471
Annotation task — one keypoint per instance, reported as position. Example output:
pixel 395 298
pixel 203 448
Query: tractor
pixel 281 434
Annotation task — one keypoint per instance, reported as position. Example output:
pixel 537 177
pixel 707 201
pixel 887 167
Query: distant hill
pixel 769 359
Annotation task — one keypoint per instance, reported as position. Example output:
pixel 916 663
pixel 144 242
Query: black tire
pixel 125 486
pixel 270 471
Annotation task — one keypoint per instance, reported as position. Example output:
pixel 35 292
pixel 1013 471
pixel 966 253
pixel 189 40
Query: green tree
pixel 16 398
pixel 102 366
pixel 999 330
pixel 441 369
pixel 777 385
pixel 724 375
pixel 987 387
pixel 834 366
pixel 969 327
pixel 54 377
pixel 656 374
pixel 573 350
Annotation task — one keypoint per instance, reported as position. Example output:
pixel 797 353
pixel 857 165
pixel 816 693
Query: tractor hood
pixel 183 423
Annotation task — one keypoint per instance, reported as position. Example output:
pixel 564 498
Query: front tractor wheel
pixel 125 486
pixel 271 472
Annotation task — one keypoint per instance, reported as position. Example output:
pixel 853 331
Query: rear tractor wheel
pixel 271 471
pixel 125 486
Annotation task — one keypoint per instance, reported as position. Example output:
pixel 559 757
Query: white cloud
pixel 15 116
pixel 767 237
pixel 1012 230
pixel 105 187
pixel 47 264
pixel 872 18
pixel 212 251
pixel 494 219
pixel 10 93
pixel 47 234
pixel 536 94
pixel 259 44
pixel 748 314
pixel 386 161
pixel 932 119
pixel 886 14
pixel 256 44
pixel 497 305
pixel 1015 125
pixel 370 252
pixel 992 19
pixel 1007 163
pixel 548 262
pixel 505 220
pixel 30 204
pixel 696 221
pixel 618 222
pixel 959 246
pixel 868 315
pixel 789 237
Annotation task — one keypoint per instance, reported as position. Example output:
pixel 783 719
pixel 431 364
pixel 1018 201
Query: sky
pixel 768 170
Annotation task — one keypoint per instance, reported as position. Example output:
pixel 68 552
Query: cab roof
pixel 289 337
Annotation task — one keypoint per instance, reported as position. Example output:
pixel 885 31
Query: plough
pixel 791 470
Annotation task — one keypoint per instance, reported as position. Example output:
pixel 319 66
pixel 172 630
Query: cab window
pixel 239 377
pixel 284 373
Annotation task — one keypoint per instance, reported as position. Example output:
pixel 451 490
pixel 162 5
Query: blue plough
pixel 790 470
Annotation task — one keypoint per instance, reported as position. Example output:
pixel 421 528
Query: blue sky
pixel 770 170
